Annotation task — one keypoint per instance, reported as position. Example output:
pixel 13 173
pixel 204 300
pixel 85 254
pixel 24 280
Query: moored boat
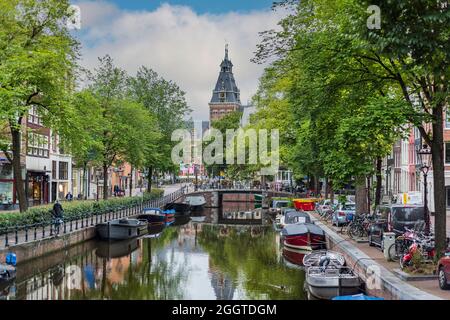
pixel 196 202
pixel 303 236
pixel 334 259
pixel 122 229
pixel 181 208
pixel 294 256
pixel 156 215
pixel 328 282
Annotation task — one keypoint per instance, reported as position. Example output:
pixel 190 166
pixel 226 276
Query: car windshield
pixel 409 213
pixel 281 204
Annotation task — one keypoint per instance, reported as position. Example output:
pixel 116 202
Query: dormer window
pixel 222 96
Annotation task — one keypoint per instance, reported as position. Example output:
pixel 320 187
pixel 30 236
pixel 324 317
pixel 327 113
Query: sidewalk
pixel 429 286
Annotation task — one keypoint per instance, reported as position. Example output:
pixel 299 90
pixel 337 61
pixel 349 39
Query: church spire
pixel 226 90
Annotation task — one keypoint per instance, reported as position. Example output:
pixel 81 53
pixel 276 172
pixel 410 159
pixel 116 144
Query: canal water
pixel 217 254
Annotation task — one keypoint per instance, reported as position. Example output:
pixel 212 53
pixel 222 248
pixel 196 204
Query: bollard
pixel 16 238
pixel 26 234
pixel 35 232
pixel 6 239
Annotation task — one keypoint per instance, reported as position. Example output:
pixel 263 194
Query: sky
pixel 183 41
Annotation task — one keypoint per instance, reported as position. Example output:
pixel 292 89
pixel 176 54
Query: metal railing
pixel 20 234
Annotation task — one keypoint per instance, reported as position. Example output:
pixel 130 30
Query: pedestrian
pixel 69 196
pixel 58 215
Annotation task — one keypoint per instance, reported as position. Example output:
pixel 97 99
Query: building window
pixel 63 170
pixel 447 119
pixel 54 143
pixel 34 117
pixel 447 153
pixel 38 145
pixel 54 168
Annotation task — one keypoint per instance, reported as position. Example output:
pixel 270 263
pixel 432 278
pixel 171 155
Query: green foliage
pixel 166 104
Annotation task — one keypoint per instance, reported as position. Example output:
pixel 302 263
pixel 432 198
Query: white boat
pixel 333 259
pixel 122 229
pixel 328 282
pixel 196 202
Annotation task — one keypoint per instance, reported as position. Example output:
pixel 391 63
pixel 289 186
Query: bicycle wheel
pixel 393 252
pixel 353 230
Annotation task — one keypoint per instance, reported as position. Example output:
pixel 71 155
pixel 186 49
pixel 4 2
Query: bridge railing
pixel 20 234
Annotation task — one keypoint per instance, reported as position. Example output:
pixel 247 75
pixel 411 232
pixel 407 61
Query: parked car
pixel 443 269
pixel 343 214
pixel 394 218
pixel 325 205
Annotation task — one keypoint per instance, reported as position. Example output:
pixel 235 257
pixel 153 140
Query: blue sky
pixel 199 6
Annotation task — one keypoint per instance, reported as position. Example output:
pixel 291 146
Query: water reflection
pixel 188 260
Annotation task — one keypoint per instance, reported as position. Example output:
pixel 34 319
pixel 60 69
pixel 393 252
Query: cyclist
pixel 58 215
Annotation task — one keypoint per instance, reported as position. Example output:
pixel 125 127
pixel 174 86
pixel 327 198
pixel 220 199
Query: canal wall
pixel 379 281
pixel 35 249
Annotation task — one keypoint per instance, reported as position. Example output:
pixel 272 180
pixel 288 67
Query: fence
pixel 15 235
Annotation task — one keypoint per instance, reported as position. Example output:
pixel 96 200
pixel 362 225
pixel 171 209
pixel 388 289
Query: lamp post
pixel 424 162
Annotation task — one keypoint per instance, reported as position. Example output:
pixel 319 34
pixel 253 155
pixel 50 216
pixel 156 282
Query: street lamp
pixel 424 162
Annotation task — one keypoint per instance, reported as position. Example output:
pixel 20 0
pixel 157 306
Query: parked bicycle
pixel 403 242
pixel 360 225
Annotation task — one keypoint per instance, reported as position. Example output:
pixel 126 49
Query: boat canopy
pixel 296 217
pixel 301 228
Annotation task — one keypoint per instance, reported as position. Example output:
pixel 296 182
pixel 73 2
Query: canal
pixel 216 254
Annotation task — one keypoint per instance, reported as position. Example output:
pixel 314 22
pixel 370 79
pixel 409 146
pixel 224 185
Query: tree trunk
pixel 437 150
pixel 361 195
pixel 105 181
pixel 131 182
pixel 84 189
pixel 19 184
pixel 149 178
pixel 368 194
pixel 326 187
pixel 330 183
pixel 378 182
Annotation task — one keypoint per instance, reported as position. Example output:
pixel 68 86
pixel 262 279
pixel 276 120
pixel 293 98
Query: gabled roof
pixel 226 90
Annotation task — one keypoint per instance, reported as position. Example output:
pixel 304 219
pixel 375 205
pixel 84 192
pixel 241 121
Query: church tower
pixel 226 95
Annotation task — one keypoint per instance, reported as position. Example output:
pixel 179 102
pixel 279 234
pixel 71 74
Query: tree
pixel 409 55
pixel 37 61
pixel 166 102
pixel 230 121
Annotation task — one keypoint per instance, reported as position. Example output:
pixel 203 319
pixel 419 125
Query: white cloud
pixel 178 43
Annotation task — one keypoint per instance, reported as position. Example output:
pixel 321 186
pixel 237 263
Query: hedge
pixel 74 210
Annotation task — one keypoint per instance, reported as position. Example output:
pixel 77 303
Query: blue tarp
pixel 357 297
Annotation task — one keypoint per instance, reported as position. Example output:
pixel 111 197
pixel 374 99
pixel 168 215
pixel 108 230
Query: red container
pixel 304 205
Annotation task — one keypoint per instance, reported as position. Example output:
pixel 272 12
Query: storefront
pixel 37 188
pixel 7 194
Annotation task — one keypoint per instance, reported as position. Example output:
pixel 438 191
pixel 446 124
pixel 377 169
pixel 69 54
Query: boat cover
pixel 301 228
pixel 296 217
